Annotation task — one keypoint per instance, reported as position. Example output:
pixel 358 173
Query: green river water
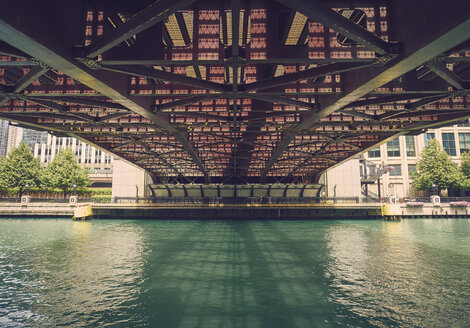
pixel 111 273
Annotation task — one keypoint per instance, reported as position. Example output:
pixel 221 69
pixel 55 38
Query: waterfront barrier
pixel 243 208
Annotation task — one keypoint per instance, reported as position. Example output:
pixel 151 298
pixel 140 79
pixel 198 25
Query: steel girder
pixel 250 113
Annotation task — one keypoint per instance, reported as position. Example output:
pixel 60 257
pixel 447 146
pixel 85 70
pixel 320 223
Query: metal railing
pixel 235 200
pixel 243 200
pixel 443 199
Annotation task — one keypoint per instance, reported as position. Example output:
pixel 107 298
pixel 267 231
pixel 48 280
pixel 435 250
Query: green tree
pixel 20 169
pixel 465 168
pixel 436 167
pixel 64 172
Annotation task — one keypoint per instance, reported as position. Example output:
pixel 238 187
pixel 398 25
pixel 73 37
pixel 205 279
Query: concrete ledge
pixel 36 209
pixel 238 212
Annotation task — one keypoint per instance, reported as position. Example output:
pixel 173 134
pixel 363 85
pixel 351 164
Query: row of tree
pixel 21 170
pixel 436 170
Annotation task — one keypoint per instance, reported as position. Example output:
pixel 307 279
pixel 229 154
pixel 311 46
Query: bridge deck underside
pixel 306 87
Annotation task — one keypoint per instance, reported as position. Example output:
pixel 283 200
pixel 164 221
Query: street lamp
pixel 26 187
pixel 74 189
pixel 433 189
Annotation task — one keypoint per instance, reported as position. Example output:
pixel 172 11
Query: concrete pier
pixel 241 212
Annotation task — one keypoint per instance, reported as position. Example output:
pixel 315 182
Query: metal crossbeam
pixel 388 99
pixel 17 38
pixel 25 81
pixel 166 76
pixel 153 14
pixel 188 101
pixel 362 87
pixel 317 11
pixel 283 100
pixel 304 75
pixel 80 101
pixel 450 77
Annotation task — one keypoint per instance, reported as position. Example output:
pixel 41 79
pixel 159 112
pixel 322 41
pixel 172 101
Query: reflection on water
pixel 234 274
pixel 70 271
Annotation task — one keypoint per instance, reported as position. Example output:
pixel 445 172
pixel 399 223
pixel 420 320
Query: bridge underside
pixel 306 86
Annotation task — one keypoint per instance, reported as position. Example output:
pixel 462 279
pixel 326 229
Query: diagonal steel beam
pixel 356 114
pixel 39 115
pixel 81 101
pixel 317 11
pixel 416 104
pixel 389 99
pixel 188 101
pixel 442 71
pixel 364 85
pixel 60 108
pixel 33 74
pixel 114 115
pixel 304 75
pixel 166 76
pixel 154 13
pixel 283 100
pixel 106 86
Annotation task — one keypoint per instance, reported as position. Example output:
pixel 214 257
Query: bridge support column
pixel 129 180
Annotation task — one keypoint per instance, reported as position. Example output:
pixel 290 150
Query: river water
pixel 60 273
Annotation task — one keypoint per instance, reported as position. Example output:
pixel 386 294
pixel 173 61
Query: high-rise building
pixel 15 135
pixel 97 161
pixel 4 126
pixel 33 137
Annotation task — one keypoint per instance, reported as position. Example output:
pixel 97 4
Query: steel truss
pixel 235 91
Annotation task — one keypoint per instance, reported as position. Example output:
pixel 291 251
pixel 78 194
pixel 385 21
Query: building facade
pixel 33 137
pixel 97 161
pixel 402 154
pixel 4 127
pixel 15 135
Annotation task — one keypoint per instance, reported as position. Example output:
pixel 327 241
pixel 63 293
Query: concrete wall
pixel 129 180
pixel 346 177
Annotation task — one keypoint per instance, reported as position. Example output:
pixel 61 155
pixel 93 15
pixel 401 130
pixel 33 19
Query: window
pixel 464 142
pixel 411 169
pixel 448 142
pixel 427 137
pixel 393 148
pixel 396 172
pixel 410 146
pixel 374 153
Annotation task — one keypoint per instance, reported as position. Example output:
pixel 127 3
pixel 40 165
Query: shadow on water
pixel 225 274
pixel 238 274
pixel 313 281
pixel 272 310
